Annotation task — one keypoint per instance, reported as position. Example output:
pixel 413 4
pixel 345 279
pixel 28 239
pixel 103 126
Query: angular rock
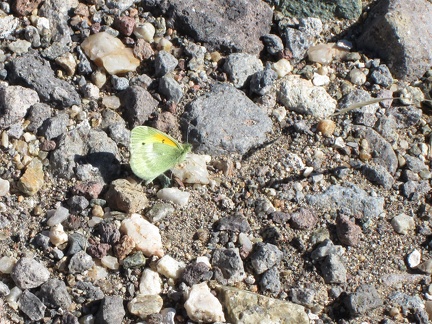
pixel 324 10
pixel 246 307
pixel 240 67
pixel 348 232
pixel 303 97
pixel 145 235
pixel 170 89
pixel 350 200
pixel 225 120
pixel 230 264
pixel 126 197
pixel 111 310
pixel 54 294
pixel 404 25
pixel 202 306
pixel 333 270
pixel 30 305
pixel 138 105
pixel 385 156
pixel 270 281
pixel 264 257
pixel 224 26
pixel 49 88
pixel 33 178
pixel 164 63
pixel 28 273
pixel 365 299
pixel 15 101
pixel 379 175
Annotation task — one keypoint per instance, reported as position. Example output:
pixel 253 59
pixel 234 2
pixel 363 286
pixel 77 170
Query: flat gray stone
pixel 225 120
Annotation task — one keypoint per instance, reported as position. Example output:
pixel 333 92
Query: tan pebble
pixel 215 56
pixel 97 211
pixel 364 156
pixel 326 127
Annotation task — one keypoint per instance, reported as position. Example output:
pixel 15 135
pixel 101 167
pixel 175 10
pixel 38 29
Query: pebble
pixel 320 80
pixel 364 300
pixel 303 97
pixel 76 242
pixel 80 262
pixel 68 63
pixel 240 67
pixel 273 43
pixel 270 281
pixel 125 247
pixel 54 294
pixel 303 296
pixel 402 224
pixel 4 289
pixel 111 310
pixel 28 273
pixel 145 31
pixel 247 307
pixel 303 219
pixel 13 297
pixel 262 81
pixel 150 283
pixel 228 263
pixel 174 195
pixel 347 231
pixel 202 306
pixel 414 258
pixel 171 89
pixel 31 305
pixel 111 102
pixel 108 51
pixel 119 83
pixel 264 256
pixel 169 267
pixel 57 235
pixel 33 178
pixel 426 266
pixel 159 211
pixel 197 272
pixel 333 270
pixel 110 262
pixel 326 127
pixel 282 68
pixel 145 235
pixel 164 63
pixel 57 216
pixel 321 53
pixel 124 196
pixel 108 233
pixel 143 306
pixel 4 187
pixel 357 77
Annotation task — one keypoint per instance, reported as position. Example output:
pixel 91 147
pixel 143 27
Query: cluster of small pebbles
pixel 307 195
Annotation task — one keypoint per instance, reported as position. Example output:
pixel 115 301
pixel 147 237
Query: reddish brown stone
pixel 124 248
pixel 125 25
pixel 303 219
pixel 143 50
pixel 347 231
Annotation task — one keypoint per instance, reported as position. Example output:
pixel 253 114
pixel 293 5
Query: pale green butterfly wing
pixel 154 152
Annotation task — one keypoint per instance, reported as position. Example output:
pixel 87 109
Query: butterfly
pixel 153 152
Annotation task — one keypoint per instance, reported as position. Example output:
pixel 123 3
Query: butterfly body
pixel 154 152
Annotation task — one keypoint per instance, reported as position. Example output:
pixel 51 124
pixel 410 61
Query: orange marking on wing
pixel 165 140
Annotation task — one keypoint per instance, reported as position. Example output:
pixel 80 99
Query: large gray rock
pixel 229 26
pixel 399 31
pixel 225 120
pixel 15 101
pixel 350 200
pixel 90 154
pixel 36 73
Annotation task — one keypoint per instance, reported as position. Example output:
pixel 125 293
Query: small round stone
pixel 326 127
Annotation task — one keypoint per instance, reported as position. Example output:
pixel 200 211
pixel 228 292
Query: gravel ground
pixel 326 215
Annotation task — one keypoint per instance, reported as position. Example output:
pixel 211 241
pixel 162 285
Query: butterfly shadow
pixel 105 165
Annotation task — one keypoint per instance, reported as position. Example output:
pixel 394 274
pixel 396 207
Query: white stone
pixel 4 187
pixel 174 195
pixel 307 171
pixel 357 77
pixel 282 67
pixel 8 24
pixel 339 142
pixel 13 297
pixel 42 23
pixel 193 170
pixel 108 51
pixel 320 80
pixel 99 78
pixel 150 283
pixel 204 260
pixel 279 113
pixel 168 315
pixel 202 306
pixel 321 53
pixel 170 267
pixel 145 235
pixel 145 31
pixel 402 224
pixel 110 262
pixel 6 264
pixel 57 235
pixel 303 97
pixel 57 216
pixel 111 102
pixel 246 244
pixel 414 258
pixel 97 273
